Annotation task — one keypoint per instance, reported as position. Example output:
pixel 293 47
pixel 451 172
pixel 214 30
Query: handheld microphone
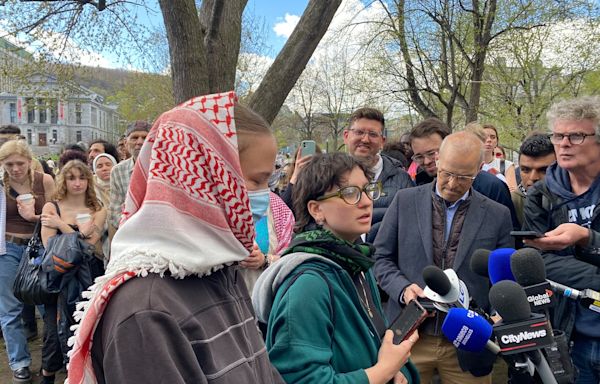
pixel 479 262
pixel 529 270
pixel 520 330
pixel 499 265
pixel 468 331
pixel 445 287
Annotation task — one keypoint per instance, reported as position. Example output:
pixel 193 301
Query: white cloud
pixel 285 28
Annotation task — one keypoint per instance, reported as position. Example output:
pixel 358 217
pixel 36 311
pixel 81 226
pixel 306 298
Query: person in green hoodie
pixel 320 300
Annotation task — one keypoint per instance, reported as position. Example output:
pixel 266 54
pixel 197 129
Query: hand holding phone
pixel 409 319
pixel 527 234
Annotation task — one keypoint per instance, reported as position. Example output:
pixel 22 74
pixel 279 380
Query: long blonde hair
pixel 15 147
pixel 91 201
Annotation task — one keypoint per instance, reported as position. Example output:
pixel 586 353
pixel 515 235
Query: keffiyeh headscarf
pixel 187 211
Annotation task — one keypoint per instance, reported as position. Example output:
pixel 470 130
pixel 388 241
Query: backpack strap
pixel 502 166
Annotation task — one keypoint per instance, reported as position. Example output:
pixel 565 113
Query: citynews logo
pixel 523 336
pixel 540 299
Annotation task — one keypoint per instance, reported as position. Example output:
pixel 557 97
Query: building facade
pixel 51 113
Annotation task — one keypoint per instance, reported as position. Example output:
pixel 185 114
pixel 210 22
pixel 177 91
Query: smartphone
pixel 307 148
pixel 527 234
pixel 409 319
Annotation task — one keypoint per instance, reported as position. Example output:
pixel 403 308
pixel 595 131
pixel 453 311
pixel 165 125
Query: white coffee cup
pixel 26 198
pixel 83 218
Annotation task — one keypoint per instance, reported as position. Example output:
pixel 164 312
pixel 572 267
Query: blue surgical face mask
pixel 259 203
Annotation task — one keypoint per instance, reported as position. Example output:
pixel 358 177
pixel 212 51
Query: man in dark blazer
pixel 441 223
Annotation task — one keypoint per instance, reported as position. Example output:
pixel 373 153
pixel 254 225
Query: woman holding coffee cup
pixel 26 193
pixel 75 208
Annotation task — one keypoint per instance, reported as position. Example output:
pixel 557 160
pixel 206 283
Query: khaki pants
pixel 436 353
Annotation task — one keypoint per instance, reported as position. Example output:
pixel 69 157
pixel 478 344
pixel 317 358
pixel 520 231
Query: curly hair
pixel 322 172
pixel 15 147
pixel 583 108
pixel 91 201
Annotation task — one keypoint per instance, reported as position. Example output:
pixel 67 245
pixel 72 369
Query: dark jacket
pixel 392 178
pixel 543 212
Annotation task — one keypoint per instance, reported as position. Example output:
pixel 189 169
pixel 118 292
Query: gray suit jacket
pixel 403 246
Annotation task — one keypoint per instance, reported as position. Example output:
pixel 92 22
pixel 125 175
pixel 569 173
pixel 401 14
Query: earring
pixel 320 222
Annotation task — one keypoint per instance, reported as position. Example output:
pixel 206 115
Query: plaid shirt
pixel 119 183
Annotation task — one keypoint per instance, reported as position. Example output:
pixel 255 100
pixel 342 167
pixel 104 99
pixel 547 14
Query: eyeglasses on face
pixel 458 178
pixel 352 194
pixel 573 138
pixel 420 159
pixel 361 133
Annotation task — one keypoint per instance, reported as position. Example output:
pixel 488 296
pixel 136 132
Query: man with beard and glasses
pixel 121 174
pixel 364 141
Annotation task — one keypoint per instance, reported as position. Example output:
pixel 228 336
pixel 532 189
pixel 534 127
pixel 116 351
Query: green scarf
pixel 354 258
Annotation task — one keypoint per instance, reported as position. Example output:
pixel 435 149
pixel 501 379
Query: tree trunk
pixel 189 66
pixel 222 22
pixel 289 64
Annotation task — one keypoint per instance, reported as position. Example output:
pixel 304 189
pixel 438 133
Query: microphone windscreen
pixel 499 265
pixel 436 280
pixel 528 267
pixel 510 301
pixel 479 262
pixel 466 329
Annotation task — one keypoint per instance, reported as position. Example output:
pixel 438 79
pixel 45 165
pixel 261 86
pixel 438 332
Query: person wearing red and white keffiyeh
pixel 183 315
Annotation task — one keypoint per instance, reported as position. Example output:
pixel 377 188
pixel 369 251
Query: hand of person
pixel 399 378
pixel 27 210
pixel 391 358
pixel 256 260
pixel 51 220
pixel 561 237
pixel 300 163
pixel 412 292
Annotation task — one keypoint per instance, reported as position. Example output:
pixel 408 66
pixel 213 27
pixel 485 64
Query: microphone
pixel 445 287
pixel 468 331
pixel 499 265
pixel 520 330
pixel 479 262
pixel 529 270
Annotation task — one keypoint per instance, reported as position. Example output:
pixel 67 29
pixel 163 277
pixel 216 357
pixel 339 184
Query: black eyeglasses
pixel 459 178
pixel 361 133
pixel 573 138
pixel 352 194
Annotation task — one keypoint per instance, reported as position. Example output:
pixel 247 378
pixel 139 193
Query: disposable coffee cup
pixel 25 198
pixel 82 218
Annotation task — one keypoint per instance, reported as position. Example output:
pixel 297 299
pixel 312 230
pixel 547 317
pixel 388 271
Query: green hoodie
pixel 315 336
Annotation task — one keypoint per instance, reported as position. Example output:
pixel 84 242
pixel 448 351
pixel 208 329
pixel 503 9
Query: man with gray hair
pixel 441 223
pixel 564 206
pixel 121 173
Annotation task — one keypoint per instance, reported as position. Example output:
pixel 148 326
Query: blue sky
pixel 277 14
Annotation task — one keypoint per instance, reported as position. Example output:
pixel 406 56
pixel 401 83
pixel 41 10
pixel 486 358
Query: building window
pixel 78 136
pixel 30 110
pixel 42 110
pixel 54 136
pixel 94 114
pixel 77 113
pixel 53 111
pixel 13 112
pixel 29 136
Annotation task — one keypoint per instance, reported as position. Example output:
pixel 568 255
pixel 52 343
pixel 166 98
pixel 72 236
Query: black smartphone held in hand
pixel 527 234
pixel 409 319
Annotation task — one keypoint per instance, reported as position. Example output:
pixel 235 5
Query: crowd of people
pixel 206 268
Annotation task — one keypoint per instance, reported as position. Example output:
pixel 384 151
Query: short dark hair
pixel 74 147
pixel 430 126
pixel 369 114
pixel 10 129
pixel 321 173
pixel 108 148
pixel 71 154
pixel 536 146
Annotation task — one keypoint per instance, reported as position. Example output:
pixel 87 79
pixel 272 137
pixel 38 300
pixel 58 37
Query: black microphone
pixel 528 267
pixel 444 288
pixel 479 262
pixel 520 330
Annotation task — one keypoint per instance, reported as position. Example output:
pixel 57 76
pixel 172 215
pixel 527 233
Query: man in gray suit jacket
pixel 441 224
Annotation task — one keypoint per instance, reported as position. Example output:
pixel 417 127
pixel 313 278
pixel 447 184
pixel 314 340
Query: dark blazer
pixel 403 246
